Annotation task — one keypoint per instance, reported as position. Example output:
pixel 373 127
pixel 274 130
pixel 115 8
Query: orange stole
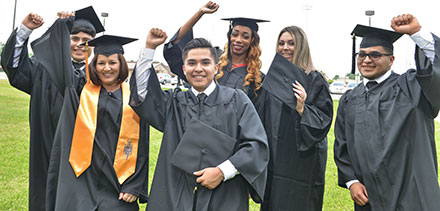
pixel 85 128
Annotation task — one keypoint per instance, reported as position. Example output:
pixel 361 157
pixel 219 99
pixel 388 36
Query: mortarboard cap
pixel 372 37
pixel 88 19
pixel 202 146
pixel 249 22
pixel 109 44
pixel 279 79
pixel 375 37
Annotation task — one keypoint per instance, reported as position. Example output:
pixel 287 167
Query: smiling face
pixel 241 38
pixel 286 46
pixel 78 52
pixel 200 68
pixel 372 69
pixel 108 69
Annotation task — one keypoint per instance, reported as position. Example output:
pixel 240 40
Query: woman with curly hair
pixel 296 134
pixel 239 64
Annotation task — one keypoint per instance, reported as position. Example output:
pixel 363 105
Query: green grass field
pixel 14 156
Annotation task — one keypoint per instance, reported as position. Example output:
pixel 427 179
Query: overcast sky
pixel 328 24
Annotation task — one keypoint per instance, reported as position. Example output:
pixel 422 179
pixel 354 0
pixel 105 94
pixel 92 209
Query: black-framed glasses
pixel 374 55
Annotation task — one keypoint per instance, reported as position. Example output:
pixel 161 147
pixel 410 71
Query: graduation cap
pixel 88 19
pixel 279 79
pixel 372 37
pixel 249 22
pixel 109 44
pixel 201 146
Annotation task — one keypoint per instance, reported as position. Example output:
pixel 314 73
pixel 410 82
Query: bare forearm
pixel 188 25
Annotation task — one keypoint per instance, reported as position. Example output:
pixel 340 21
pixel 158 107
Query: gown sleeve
pixel 152 109
pixel 252 154
pixel 52 50
pixel 21 77
pixel 318 113
pixel 173 53
pixel 428 75
pixel 342 159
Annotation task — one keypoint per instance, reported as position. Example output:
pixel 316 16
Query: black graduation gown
pixel 226 110
pixel 298 145
pixel 97 188
pixel 384 137
pixel 235 79
pixel 44 109
pixel 173 53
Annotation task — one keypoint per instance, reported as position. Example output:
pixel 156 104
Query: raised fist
pixel 155 38
pixel 405 24
pixel 32 21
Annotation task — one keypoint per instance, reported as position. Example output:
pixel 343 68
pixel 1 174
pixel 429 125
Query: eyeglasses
pixel 374 55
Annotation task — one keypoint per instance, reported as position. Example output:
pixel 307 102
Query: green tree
pixel 336 77
pixel 350 76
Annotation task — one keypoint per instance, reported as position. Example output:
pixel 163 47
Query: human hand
pixel 359 194
pixel 127 197
pixel 405 24
pixel 32 21
pixel 64 14
pixel 209 8
pixel 209 177
pixel 155 38
pixel 301 96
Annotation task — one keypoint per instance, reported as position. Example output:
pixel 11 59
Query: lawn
pixel 14 156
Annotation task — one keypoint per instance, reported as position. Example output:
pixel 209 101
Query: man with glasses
pixel 384 131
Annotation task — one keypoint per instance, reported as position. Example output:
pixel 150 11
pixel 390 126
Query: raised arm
pixel 172 50
pixel 52 50
pixel 146 96
pixel 208 8
pixel 19 68
pixel 427 57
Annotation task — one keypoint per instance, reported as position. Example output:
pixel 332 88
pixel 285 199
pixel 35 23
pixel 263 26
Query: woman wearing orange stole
pixel 100 155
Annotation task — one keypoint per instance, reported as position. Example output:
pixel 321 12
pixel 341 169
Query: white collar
pixel 207 91
pixel 380 79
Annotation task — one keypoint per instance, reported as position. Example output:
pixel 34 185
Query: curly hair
pixel 253 61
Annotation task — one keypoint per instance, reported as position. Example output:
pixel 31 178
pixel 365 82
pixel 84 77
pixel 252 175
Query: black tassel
pixel 353 56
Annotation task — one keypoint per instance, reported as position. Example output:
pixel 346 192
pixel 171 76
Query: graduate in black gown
pixel 99 157
pixel 221 182
pixel 384 131
pixel 29 75
pixel 297 117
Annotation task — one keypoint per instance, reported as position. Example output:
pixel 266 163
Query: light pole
pixel 13 20
pixel 369 13
pixel 104 15
pixel 307 8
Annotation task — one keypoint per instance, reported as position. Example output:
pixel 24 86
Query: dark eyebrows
pixel 190 60
pixel 202 60
pixel 244 32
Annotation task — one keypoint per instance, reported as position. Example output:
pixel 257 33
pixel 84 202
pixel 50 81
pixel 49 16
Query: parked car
pixel 351 85
pixel 164 78
pixel 174 80
pixel 338 87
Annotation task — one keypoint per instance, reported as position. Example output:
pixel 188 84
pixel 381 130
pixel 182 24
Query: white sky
pixel 328 24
